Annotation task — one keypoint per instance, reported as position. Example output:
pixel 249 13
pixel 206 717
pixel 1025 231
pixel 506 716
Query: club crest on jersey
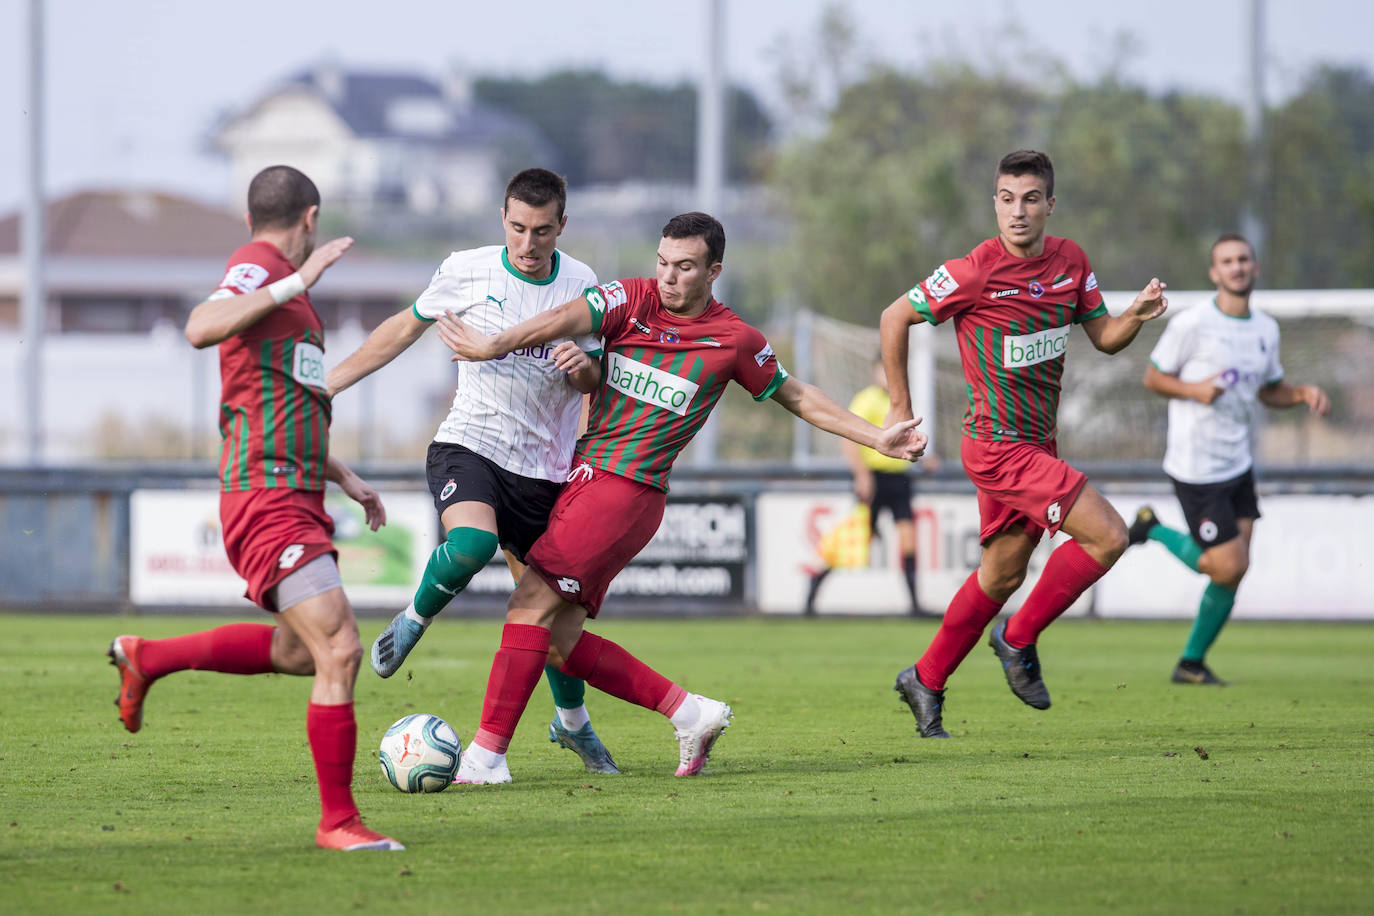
pixel 244 277
pixel 669 335
pixel 650 385
pixel 1036 289
pixel 447 491
pixel 940 284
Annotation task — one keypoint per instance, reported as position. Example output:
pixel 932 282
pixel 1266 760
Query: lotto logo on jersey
pixel 307 365
pixel 605 297
pixel 1029 349
pixel 940 284
pixel 244 277
pixel 653 386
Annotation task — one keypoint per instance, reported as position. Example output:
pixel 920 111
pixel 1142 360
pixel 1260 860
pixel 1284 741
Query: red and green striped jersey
pixel 662 376
pixel 1012 317
pixel 274 408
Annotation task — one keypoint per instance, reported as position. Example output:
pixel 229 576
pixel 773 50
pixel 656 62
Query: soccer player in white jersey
pixel 1216 364
pixel 502 454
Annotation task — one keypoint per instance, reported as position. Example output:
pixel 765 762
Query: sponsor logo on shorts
pixel 1022 350
pixel 764 355
pixel 244 277
pixel 447 491
pixel 940 284
pixel 1003 293
pixel 570 585
pixel 1053 512
pixel 652 386
pixel 307 365
pixel 582 472
pixel 291 556
pixel 1207 530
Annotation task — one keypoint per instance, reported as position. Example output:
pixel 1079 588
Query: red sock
pixel 1067 575
pixel 610 669
pixel 969 612
pixel 514 673
pixel 333 734
pixel 236 648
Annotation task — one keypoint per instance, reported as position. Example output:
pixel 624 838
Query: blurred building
pixel 383 141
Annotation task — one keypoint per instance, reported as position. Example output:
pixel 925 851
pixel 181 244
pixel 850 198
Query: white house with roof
pixel 375 140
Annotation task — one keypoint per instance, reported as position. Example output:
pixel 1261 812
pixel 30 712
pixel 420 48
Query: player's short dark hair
pixel 1230 237
pixel 278 195
pixel 699 225
pixel 538 188
pixel 1029 162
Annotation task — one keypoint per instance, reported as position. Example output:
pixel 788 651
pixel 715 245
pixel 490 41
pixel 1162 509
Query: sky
pixel 133 88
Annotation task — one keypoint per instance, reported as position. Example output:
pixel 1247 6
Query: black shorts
pixel 522 504
pixel 1213 508
pixel 893 493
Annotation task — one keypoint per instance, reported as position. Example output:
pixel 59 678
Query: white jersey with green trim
pixel 1211 443
pixel 519 411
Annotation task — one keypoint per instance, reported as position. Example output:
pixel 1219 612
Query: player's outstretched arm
pixel 571 319
pixel 1111 334
pixel 357 490
pixel 385 343
pixel 894 329
pixel 223 315
pixel 1204 391
pixel 900 440
pixel 1282 394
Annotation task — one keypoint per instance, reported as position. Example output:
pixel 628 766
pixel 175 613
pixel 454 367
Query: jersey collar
pixel 553 271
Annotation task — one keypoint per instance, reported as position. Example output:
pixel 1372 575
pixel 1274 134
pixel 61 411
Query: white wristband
pixel 287 288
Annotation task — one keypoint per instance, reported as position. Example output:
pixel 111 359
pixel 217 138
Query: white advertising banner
pixel 791 525
pixel 176 556
pixel 1312 557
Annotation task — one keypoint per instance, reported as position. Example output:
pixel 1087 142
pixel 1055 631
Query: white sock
pixel 572 719
pixel 688 714
pixel 483 757
pixel 414 615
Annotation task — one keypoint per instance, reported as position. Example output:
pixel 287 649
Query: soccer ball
pixel 420 753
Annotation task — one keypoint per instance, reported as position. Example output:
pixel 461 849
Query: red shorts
pixel 269 534
pixel 1020 483
pixel 600 522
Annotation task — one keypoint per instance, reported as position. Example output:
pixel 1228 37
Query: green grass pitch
pixel 1129 795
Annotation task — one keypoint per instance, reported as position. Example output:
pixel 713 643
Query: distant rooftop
pixel 128 224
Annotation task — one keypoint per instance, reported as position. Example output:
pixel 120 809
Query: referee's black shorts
pixel 891 492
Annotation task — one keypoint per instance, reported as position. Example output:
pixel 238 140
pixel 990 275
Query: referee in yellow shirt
pixel 881 483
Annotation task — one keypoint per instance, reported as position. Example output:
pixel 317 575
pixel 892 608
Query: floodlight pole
pixel 1257 147
pixel 33 305
pixel 711 172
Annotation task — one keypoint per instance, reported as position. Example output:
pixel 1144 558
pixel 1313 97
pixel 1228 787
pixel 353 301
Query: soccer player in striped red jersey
pixel 1014 299
pixel 274 461
pixel 670 351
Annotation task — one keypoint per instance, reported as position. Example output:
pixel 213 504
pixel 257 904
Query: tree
pixel 610 131
pixel 1321 225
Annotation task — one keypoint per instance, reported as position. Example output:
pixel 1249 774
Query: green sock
pixel 451 567
pixel 1212 611
pixel 568 692
pixel 1178 543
